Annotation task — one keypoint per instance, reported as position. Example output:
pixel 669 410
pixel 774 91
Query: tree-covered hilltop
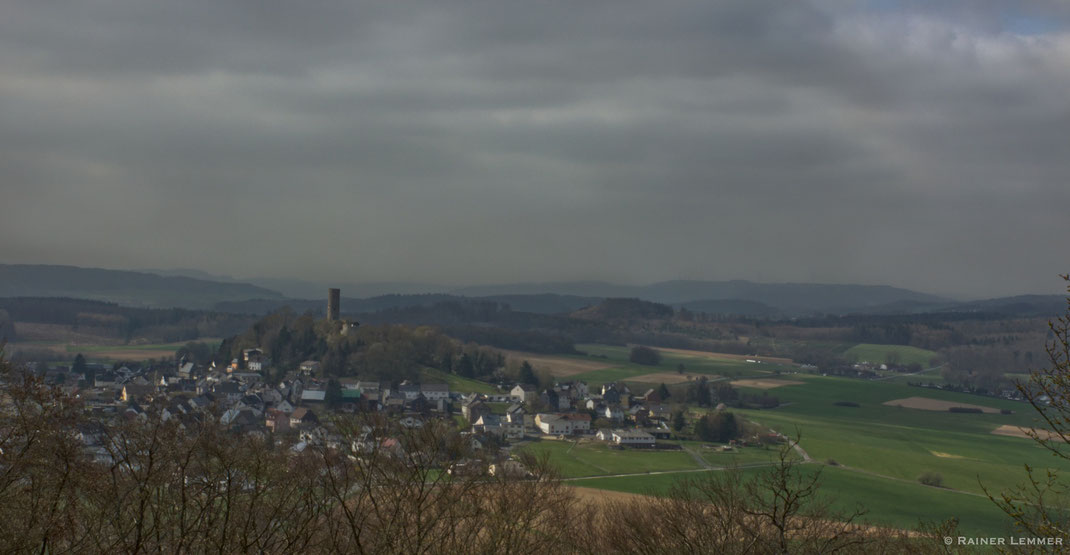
pixel 382 352
pixel 112 321
pixel 625 309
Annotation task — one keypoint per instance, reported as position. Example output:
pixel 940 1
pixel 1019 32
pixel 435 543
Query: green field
pixel 578 459
pixel 881 450
pixel 623 370
pixel 165 347
pixel 879 354
pixel 457 383
pixel 887 502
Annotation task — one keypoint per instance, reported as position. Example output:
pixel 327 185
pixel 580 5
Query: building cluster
pixel 238 396
pixel 611 413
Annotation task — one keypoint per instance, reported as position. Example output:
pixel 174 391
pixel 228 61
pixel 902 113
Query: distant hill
pixel 127 288
pixel 1020 305
pixel 537 304
pixel 625 309
pixel 738 307
pixel 787 297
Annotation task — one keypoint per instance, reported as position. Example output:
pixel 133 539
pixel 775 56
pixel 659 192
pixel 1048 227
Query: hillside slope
pixel 123 287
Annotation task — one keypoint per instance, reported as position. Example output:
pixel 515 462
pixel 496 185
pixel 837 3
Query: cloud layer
pixel 475 142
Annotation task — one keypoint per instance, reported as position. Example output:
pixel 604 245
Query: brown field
pixel 592 496
pixel 557 366
pixel 28 331
pixel 924 403
pixel 765 383
pixel 69 350
pixel 1015 431
pixel 670 378
pixel 723 356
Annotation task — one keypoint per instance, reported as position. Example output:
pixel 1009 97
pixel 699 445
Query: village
pixel 300 409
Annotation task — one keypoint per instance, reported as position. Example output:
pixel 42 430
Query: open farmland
pixel 1018 431
pixel 591 458
pixel 872 454
pixel 713 366
pixel 880 354
pixel 669 378
pixel 723 356
pixel 926 403
pixel 95 349
pixel 562 366
pixel 765 383
pixel 890 503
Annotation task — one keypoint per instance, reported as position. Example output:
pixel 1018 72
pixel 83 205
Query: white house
pixel 435 391
pixel 494 424
pixel 523 393
pixel 632 438
pixel 563 424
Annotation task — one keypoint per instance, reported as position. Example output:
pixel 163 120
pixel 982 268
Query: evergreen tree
pixel 79 365
pixel 527 374
pixel 464 366
pixel 678 421
pixel 333 395
pixel 663 392
pixel 705 430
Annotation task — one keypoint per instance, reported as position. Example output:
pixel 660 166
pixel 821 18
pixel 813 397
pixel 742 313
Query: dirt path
pixel 698 458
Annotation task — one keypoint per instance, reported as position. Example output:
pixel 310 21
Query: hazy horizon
pixel 352 288
pixel 882 143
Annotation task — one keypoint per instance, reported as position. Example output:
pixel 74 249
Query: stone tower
pixel 333 297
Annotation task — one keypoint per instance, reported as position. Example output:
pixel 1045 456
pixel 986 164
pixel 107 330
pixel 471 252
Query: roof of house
pixel 139 390
pixel 313 395
pixel 227 387
pixel 435 387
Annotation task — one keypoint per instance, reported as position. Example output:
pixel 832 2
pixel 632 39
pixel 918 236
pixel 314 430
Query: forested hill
pixel 112 322
pixel 137 289
pixel 384 352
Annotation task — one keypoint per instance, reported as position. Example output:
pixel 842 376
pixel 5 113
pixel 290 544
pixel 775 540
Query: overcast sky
pixel 478 142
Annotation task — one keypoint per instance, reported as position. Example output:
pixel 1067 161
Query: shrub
pixel 832 462
pixel 968 410
pixel 1006 411
pixel 931 478
pixel 846 404
pixel 645 356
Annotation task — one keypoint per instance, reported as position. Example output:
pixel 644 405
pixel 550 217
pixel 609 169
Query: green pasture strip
pixel 887 502
pixel 457 383
pixel 878 354
pixel 575 460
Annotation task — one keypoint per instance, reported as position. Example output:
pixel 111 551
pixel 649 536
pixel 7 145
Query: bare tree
pixel 1041 507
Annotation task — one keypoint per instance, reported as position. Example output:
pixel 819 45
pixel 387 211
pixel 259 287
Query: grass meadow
pixel 879 354
pixel 879 451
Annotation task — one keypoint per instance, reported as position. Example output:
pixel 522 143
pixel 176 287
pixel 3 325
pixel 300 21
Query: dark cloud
pixel 876 142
